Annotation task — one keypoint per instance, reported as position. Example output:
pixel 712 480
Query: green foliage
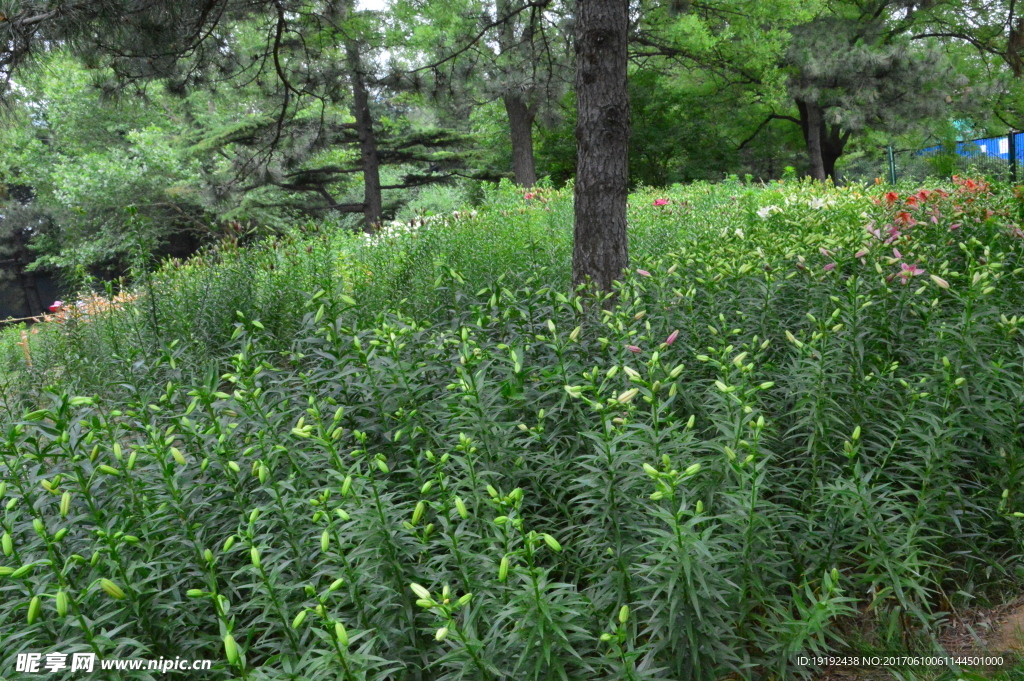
pixel 442 464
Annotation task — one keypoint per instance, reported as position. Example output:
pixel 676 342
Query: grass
pixel 424 457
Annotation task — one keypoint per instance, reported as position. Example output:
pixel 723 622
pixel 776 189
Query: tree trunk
pixel 520 120
pixel 372 201
pixel 812 123
pixel 833 144
pixel 600 252
pixel 30 290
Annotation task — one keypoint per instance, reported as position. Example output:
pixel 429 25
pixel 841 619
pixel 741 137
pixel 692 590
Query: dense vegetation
pixel 418 455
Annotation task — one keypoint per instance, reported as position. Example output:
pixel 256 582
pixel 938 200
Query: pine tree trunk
pixel 520 120
pixel 812 123
pixel 30 290
pixel 832 146
pixel 372 200
pixel 600 251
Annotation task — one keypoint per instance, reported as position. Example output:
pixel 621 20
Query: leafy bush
pixel 797 428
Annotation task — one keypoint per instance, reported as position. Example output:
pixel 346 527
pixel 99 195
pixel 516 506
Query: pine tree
pixel 600 248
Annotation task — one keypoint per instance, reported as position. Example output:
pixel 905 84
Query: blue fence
pixel 995 147
pixel 1001 157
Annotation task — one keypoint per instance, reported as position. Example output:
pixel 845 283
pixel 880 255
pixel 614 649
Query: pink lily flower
pixel 908 271
pixel 829 267
pixel 660 202
pixel 861 253
pixel 643 273
pixel 632 348
pixel 896 253
pixel 954 226
pixel 825 252
pixel 672 337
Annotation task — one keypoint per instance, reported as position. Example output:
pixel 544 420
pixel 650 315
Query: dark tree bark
pixel 600 252
pixel 520 120
pixel 30 290
pixel 811 123
pixel 825 143
pixel 372 200
pixel 832 145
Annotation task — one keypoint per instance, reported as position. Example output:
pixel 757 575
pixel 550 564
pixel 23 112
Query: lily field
pixel 797 429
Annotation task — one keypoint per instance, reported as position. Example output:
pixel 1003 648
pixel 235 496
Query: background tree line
pixel 141 128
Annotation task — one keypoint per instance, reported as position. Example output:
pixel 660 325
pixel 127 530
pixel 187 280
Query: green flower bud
pixel 113 590
pixel 417 514
pixel 231 649
pixel 34 606
pixel 341 634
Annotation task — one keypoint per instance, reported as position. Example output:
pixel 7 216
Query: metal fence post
pixel 892 165
pixel 1011 147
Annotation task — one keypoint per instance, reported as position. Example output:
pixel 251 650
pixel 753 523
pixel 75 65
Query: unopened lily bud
pixel 503 569
pixel 335 585
pixel 552 543
pixel 441 634
pixel 194 593
pixel 299 619
pixel 178 456
pixel 346 486
pixel 623 614
pixel 460 506
pixel 34 606
pixel 61 601
pixel 856 434
pixel 692 470
pixel 231 649
pixel 254 556
pixel 419 590
pixel 627 397
pixel 325 541
pixel 417 514
pixel 113 590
